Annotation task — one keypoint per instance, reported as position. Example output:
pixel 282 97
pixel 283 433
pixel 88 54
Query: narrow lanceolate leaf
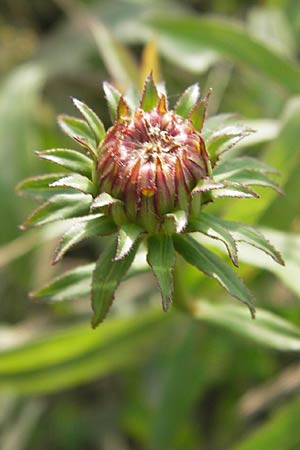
pixel 92 225
pixel 128 235
pixel 226 138
pixel 69 159
pixel 106 278
pixel 210 264
pixel 207 185
pixel 268 329
pixel 161 258
pixel 103 200
pixel 250 178
pixel 245 233
pixel 232 41
pixel 71 355
pixel 175 222
pixel 78 130
pixel 207 225
pixel 233 189
pixel 92 119
pixel 198 113
pixel 70 285
pixel 76 181
pixel 229 167
pixel 223 189
pixel 150 95
pixel 59 207
pixel 38 187
pixel 187 100
pixel 112 96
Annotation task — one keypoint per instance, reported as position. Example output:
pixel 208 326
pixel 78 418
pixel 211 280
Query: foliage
pixel 145 379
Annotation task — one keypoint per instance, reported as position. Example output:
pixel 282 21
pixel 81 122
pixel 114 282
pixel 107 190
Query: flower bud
pixel 151 161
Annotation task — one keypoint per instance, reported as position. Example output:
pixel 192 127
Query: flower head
pixel 151 161
pixel 148 178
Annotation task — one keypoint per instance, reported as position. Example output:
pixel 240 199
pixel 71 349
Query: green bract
pixel 147 179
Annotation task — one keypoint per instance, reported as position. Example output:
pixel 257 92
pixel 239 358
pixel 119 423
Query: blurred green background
pixel 145 379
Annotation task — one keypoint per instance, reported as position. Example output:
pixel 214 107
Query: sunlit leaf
pixel 211 265
pixel 106 278
pixel 112 96
pixel 59 207
pixel 161 258
pixel 118 60
pixel 251 178
pixel 69 159
pixel 187 100
pixel 175 222
pixel 76 354
pixel 242 232
pixel 232 166
pixel 215 229
pixel 92 225
pixel 77 182
pixel 128 234
pixel 267 329
pixel 71 285
pixel 92 119
pixel 232 42
pixel 150 95
pixel 78 130
pixel 38 187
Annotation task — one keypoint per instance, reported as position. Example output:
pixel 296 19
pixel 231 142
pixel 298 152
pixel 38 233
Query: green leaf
pixel 211 265
pixel 233 189
pixel 70 285
pixel 242 232
pixel 231 41
pixel 92 225
pixel 276 432
pixel 182 366
pixel 38 187
pixel 286 161
pixel 76 354
pixel 198 114
pixel 289 246
pixel 217 189
pixel 59 207
pixel 187 100
pixel 161 258
pixel 76 181
pixel 128 235
pixel 267 329
pixel 224 139
pixel 92 119
pixel 106 278
pixel 113 97
pixel 215 229
pixel 103 200
pixel 174 222
pixel 69 159
pixel 150 95
pixel 229 167
pixel 118 59
pixel 79 130
pixel 77 282
pixel 250 178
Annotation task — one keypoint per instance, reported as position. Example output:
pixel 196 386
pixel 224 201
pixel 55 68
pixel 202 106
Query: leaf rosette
pixel 147 179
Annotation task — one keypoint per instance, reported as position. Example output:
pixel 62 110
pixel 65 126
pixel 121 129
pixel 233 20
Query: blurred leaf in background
pixel 144 379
